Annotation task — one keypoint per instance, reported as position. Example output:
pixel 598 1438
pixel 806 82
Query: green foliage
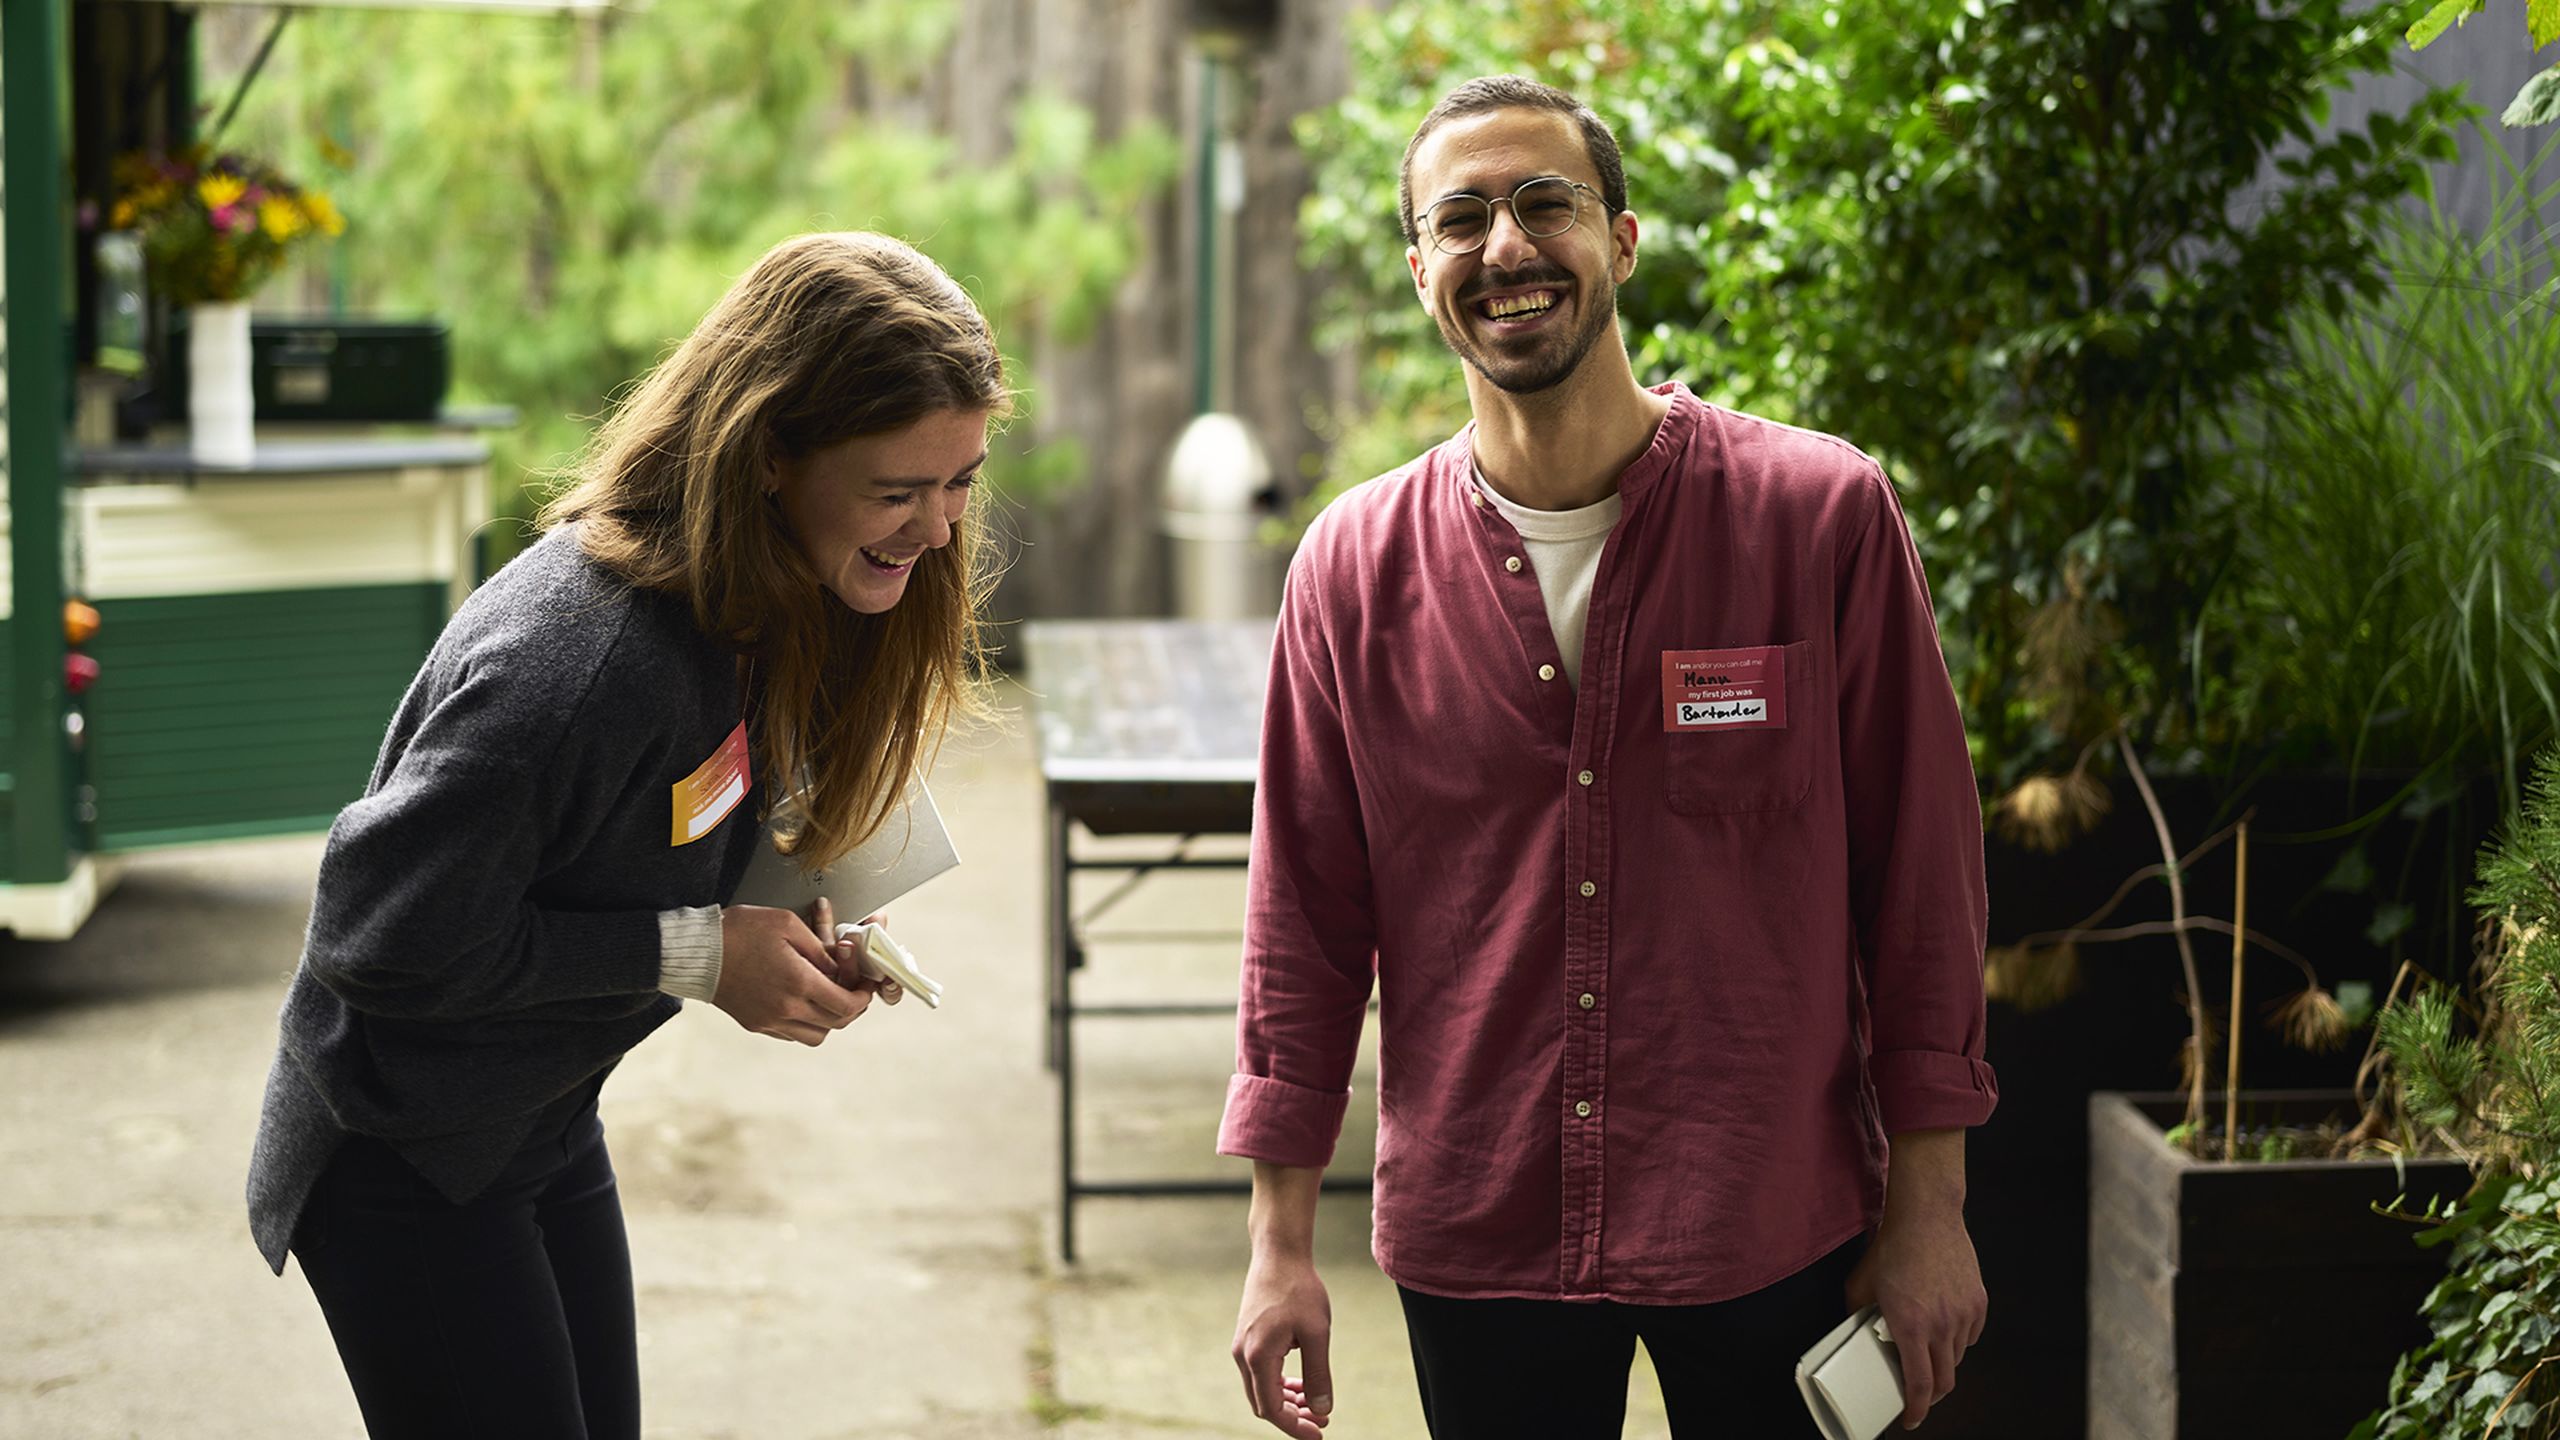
pixel 2485 1069
pixel 571 196
pixel 2388 601
pixel 2063 272
pixel 2538 103
pixel 2025 251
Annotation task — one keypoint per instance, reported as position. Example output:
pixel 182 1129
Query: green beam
pixel 31 98
pixel 1204 306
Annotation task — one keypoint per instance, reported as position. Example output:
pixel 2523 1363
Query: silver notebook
pixel 911 848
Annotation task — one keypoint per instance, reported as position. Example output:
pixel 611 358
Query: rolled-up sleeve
pixel 1310 949
pixel 1915 835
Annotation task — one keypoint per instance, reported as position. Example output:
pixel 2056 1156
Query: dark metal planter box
pixel 2246 1300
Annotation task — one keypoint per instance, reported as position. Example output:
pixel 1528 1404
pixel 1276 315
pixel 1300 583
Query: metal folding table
pixel 1146 728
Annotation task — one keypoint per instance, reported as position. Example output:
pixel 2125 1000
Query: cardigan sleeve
pixel 422 910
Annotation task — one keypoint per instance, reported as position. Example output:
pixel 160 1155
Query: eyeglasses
pixel 1546 206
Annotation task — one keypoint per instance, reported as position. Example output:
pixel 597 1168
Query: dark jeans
pixel 1557 1370
pixel 508 1316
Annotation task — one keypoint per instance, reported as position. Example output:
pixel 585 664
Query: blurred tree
pixel 572 195
pixel 2538 103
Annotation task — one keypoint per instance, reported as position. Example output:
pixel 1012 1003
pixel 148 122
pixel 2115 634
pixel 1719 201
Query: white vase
pixel 219 411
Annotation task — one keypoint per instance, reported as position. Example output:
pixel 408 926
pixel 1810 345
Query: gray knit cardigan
pixel 485 935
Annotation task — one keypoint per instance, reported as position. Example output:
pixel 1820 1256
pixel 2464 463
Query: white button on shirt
pixel 1565 545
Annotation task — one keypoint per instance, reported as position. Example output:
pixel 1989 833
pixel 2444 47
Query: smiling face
pixel 1525 309
pixel 864 511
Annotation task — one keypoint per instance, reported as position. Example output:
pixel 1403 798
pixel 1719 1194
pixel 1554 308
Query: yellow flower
pixel 323 214
pixel 217 191
pixel 122 217
pixel 281 218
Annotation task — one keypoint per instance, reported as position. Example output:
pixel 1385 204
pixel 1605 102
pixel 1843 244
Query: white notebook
pixel 1852 1380
pixel 911 848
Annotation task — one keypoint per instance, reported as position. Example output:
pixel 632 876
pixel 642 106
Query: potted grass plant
pixel 2394 609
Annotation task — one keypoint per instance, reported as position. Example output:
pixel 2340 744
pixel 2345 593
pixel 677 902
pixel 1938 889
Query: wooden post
pixel 2239 962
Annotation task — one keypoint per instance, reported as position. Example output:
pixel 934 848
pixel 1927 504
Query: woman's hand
pixel 777 978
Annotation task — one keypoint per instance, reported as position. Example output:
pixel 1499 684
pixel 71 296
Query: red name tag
pixel 1725 689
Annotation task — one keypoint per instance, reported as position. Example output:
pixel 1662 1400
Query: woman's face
pixel 864 510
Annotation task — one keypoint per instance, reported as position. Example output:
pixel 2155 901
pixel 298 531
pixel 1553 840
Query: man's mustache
pixel 1487 281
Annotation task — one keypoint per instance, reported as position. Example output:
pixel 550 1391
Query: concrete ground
pixel 855 1242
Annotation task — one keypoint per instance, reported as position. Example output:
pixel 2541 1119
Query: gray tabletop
pixel 1153 702
pixel 279 458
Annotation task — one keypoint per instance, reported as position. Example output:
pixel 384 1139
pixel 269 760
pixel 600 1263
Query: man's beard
pixel 1554 357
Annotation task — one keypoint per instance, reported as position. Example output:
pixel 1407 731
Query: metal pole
pixel 37 240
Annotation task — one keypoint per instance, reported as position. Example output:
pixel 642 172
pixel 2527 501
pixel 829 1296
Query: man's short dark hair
pixel 1514 92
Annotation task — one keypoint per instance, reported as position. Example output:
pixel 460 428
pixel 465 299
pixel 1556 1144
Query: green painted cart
pixel 254 624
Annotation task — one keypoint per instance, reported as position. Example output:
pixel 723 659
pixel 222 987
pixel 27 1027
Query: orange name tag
pixel 1710 690
pixel 705 797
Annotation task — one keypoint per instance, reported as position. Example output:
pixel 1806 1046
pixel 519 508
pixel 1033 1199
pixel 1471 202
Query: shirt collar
pixel 1453 463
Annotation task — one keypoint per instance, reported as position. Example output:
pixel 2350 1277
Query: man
pixel 1612 741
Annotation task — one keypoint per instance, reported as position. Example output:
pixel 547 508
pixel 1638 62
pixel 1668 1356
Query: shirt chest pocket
pixel 1726 763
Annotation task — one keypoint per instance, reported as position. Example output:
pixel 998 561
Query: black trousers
pixel 1557 1370
pixel 509 1316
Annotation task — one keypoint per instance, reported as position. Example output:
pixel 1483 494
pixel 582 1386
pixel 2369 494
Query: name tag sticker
pixel 704 798
pixel 1725 689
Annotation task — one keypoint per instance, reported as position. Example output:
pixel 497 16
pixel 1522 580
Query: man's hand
pixel 1920 1268
pixel 1285 1306
pixel 777 978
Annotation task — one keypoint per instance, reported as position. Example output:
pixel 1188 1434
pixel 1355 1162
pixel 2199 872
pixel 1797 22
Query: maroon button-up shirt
pixel 1660 962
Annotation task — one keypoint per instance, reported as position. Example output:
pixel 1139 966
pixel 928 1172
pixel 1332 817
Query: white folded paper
pixel 1852 1380
pixel 883 958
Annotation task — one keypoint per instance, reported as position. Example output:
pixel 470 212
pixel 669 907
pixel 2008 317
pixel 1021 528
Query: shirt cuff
pixel 1931 1090
pixel 1284 1124
pixel 689 951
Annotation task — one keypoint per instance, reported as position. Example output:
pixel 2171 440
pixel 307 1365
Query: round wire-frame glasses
pixel 1544 207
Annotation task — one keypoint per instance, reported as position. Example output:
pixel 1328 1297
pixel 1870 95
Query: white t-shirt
pixel 1564 551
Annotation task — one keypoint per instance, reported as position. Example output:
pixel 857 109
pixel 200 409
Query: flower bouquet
pixel 213 227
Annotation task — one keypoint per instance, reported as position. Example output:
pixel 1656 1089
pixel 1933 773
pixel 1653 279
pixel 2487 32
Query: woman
pixel 760 571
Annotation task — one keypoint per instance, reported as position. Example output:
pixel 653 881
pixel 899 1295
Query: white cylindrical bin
pixel 220 422
pixel 1217 492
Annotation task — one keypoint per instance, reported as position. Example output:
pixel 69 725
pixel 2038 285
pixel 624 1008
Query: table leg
pixel 1054 969
pixel 1062 1054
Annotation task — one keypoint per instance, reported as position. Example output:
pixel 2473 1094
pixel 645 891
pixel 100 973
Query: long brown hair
pixel 828 337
